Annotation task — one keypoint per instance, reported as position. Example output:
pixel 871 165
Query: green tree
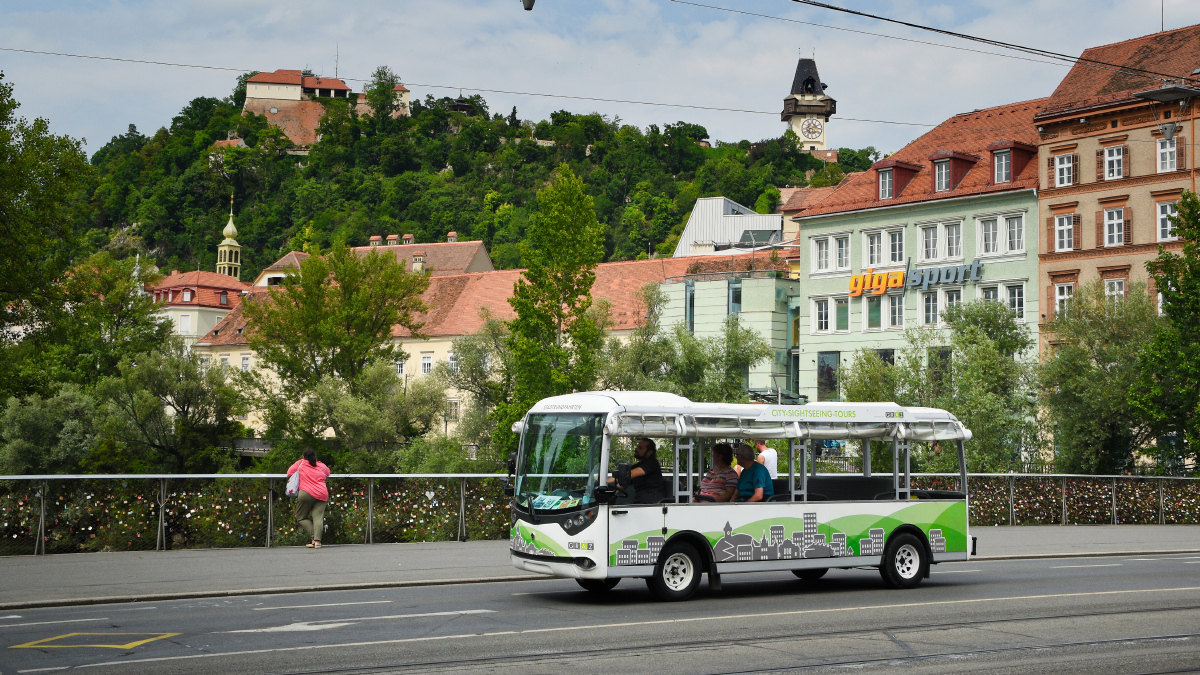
pixel 41 181
pixel 49 435
pixel 173 411
pixel 1093 373
pixel 380 92
pixel 484 370
pixel 555 342
pixel 334 316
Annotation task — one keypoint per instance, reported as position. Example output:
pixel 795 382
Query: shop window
pixel 827 371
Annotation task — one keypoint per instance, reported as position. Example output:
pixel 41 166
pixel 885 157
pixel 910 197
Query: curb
pixel 154 597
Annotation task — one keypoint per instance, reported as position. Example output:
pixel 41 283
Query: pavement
pixel 1084 615
pixel 94 578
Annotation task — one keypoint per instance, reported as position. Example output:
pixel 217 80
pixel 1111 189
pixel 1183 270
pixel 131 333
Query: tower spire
pixel 229 252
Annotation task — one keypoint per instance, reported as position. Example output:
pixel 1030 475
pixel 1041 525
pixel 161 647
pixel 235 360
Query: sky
pixel 647 50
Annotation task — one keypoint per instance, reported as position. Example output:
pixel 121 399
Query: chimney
pixel 376 240
pixel 393 239
pixel 174 273
pixel 451 237
pixel 418 263
pixel 408 239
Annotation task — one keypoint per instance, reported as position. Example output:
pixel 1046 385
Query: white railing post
pixel 462 509
pixel 270 510
pixel 41 540
pixel 371 510
pixel 160 543
pixel 1114 500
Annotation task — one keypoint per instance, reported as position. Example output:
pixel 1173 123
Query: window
pixel 245 363
pixel 400 366
pixel 689 291
pixel 452 360
pixel 1016 300
pixel 953 298
pixel 185 324
pixel 426 364
pixel 874 249
pixel 224 298
pixel 1016 233
pixel 224 360
pixel 821 311
pixel 842 306
pixel 1166 155
pixel 888 356
pixel 929 248
pixel 822 255
pixel 931 308
pixel 991 293
pixel 1114 227
pixel 827 367
pixel 735 297
pixel 1114 288
pixel 1062 296
pixel 1003 161
pixel 896 242
pixel 1064 233
pixel 954 240
pixel 941 175
pixel 187 296
pixel 1166 228
pixel 885 184
pixel 1064 170
pixel 990 232
pixel 206 361
pixel 874 313
pixel 896 311
pixel 843 253
pixel 455 408
pixel 1114 160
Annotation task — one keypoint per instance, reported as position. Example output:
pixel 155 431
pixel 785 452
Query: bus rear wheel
pixel 811 574
pixel 904 562
pixel 677 574
pixel 599 585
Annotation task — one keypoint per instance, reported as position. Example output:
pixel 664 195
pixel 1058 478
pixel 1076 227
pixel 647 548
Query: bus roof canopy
pixel 658 414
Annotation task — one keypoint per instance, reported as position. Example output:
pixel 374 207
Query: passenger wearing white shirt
pixel 767 457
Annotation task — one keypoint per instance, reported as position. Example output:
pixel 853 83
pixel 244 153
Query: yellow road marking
pixel 42 644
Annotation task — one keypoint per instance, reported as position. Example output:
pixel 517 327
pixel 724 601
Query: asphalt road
pixel 1138 614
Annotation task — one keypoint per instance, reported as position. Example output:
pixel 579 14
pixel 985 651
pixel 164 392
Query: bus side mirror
pixel 622 474
pixel 512 463
pixel 508 490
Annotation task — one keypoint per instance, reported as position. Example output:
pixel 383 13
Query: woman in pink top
pixel 310 503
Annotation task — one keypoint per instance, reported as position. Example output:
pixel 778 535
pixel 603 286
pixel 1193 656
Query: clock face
pixel 811 128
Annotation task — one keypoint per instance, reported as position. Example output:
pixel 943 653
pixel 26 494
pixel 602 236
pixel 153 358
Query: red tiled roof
pixel 199 278
pixel 455 300
pixel 290 260
pixel 1174 52
pixel 399 87
pixel 448 257
pixel 801 198
pixel 295 77
pixel 231 143
pixel 964 135
pixel 206 289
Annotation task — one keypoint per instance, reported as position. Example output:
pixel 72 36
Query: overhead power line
pixel 1150 74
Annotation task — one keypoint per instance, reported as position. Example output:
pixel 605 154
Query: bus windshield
pixel 560 462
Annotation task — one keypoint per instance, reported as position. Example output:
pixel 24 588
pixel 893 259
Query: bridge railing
pixel 70 514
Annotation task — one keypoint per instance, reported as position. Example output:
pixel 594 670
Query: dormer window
pixel 1002 162
pixel 885 184
pixel 187 296
pixel 941 170
pixel 224 298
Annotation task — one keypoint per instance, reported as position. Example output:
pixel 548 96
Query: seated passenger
pixel 719 484
pixel 754 485
pixel 646 475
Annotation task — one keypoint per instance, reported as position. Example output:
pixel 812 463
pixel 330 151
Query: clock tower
pixel 807 109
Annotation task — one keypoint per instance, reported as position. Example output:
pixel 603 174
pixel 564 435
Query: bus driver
pixel 646 475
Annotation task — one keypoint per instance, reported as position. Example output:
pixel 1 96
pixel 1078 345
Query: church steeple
pixel 806 109
pixel 229 252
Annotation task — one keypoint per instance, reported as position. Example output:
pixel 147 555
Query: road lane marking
pixel 44 644
pixel 46 623
pixel 11 616
pixel 43 670
pixel 628 624
pixel 331 604
pixel 1067 567
pixel 337 623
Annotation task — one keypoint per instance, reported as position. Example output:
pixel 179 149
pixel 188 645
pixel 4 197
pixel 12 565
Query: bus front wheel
pixel 677 574
pixel 904 562
pixel 599 585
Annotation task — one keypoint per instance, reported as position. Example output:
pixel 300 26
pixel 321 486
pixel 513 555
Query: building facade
pixel 1116 150
pixel 950 218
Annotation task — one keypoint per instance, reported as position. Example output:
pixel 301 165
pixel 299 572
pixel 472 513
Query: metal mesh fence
pixel 140 513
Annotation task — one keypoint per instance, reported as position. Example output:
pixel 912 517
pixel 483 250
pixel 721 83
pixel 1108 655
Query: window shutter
pixel 1075 169
pixel 1128 228
pixel 1077 235
pixel 1125 161
pixel 1100 164
pixel 1050 306
pixel 1099 229
pixel 1051 246
pixel 1050 182
pixel 1181 153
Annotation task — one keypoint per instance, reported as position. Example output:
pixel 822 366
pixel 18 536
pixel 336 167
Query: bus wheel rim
pixel 908 561
pixel 677 572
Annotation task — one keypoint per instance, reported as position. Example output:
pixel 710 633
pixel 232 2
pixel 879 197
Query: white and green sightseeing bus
pixel 570 521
